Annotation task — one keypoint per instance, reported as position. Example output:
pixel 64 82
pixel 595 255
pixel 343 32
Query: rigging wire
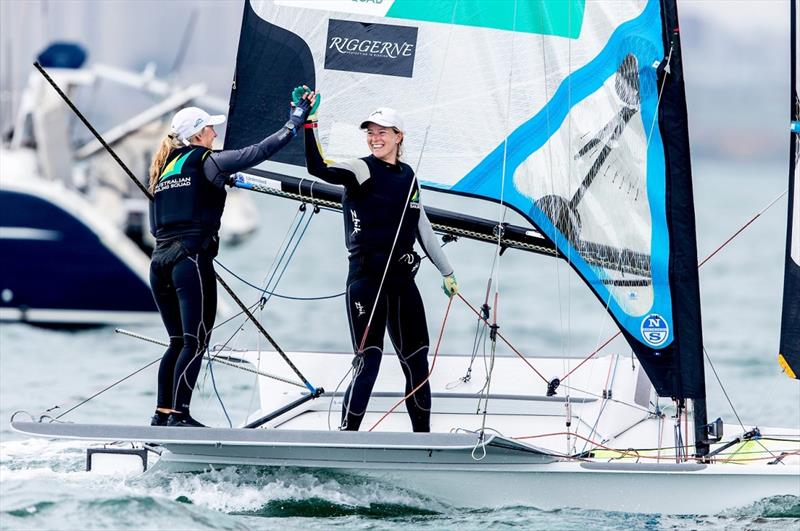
pixel 730 403
pixel 517 352
pixel 699 265
pixel 98 393
pixel 714 370
pixel 291 254
pixel 494 272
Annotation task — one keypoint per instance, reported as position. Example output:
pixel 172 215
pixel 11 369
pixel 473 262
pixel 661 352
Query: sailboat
pixel 573 115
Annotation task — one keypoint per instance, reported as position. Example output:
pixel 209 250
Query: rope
pixel 98 393
pixel 216 358
pixel 518 353
pixel 272 293
pixel 219 398
pixel 699 265
pixel 433 364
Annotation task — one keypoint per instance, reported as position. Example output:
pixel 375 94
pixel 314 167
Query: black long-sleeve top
pixel 376 194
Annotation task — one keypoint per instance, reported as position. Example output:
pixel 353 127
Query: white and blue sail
pixel 570 112
pixel 789 355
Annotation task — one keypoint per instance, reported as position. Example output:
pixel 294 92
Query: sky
pixel 735 57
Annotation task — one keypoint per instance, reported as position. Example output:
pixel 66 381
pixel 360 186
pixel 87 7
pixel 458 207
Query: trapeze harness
pixel 185 218
pixel 375 195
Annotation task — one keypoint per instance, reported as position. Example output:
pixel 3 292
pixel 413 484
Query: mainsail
pixel 789 356
pixel 570 112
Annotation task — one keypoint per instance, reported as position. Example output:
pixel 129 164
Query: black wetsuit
pixel 185 218
pixel 376 195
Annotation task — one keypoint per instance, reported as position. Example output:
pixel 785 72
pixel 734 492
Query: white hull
pixel 532 463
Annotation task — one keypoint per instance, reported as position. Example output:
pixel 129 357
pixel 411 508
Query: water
pixel 543 310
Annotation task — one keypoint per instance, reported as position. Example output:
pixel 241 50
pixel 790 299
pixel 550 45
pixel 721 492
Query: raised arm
pixel 219 165
pixel 430 245
pixel 348 173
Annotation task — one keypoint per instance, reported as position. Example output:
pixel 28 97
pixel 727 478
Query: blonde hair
pixel 168 143
pixel 399 144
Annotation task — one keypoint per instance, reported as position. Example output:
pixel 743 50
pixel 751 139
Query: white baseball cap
pixel 189 121
pixel 384 116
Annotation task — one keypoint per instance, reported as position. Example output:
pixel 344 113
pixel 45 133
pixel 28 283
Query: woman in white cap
pixel 187 181
pixel 383 217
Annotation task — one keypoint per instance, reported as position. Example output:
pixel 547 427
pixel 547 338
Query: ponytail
pixel 168 143
pixel 400 149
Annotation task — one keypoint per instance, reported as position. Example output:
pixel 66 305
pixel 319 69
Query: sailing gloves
pixel 297 97
pixel 298 115
pixel 450 285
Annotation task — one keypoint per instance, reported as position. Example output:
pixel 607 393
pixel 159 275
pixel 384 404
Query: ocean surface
pixel 544 310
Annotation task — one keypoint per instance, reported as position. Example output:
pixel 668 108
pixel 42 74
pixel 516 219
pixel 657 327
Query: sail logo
pixel 370 48
pixel 655 330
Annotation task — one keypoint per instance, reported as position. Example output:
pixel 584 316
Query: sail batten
pixel 554 112
pixel 789 354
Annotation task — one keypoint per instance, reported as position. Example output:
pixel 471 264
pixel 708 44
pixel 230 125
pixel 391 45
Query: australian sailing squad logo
pixel 371 48
pixel 655 330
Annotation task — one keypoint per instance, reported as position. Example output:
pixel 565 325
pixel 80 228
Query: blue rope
pixel 288 297
pixel 214 385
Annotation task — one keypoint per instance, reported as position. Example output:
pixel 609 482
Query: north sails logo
pixel 655 330
pixel 371 48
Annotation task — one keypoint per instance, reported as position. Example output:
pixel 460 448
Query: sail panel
pixel 789 355
pixel 566 111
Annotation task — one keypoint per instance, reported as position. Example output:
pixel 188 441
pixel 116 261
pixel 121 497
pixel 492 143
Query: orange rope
pixel 504 339
pixel 433 364
pixel 699 265
pixel 590 356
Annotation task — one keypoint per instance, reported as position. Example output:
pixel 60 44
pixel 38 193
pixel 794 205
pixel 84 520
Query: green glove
pixel 450 285
pixel 297 95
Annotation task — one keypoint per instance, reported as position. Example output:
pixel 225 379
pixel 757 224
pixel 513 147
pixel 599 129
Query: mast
pixel 683 258
pixel 789 356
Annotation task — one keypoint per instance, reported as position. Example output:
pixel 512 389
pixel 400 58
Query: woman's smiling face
pixel 383 141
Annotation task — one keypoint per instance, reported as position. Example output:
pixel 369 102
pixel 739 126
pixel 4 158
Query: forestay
pixel 570 112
